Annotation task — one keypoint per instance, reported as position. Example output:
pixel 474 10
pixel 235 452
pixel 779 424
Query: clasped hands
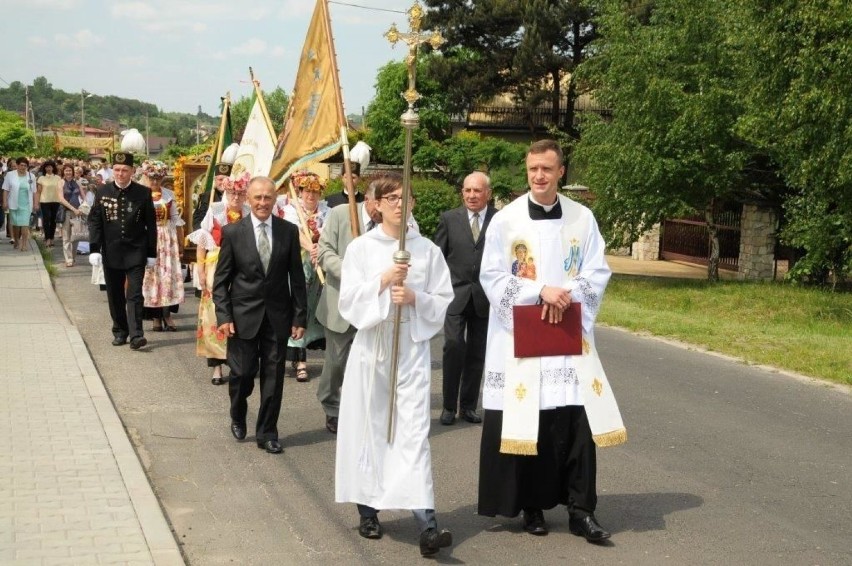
pixel 556 300
pixel 395 279
pixel 296 332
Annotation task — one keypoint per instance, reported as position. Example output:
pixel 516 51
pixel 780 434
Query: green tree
pixel 277 103
pixel 14 137
pixel 386 135
pixel 670 147
pixel 796 68
pixel 528 48
pixel 465 152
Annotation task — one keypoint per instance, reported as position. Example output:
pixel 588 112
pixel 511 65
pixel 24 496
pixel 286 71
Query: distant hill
pixel 53 107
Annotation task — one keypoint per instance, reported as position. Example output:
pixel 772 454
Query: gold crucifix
pixel 413 39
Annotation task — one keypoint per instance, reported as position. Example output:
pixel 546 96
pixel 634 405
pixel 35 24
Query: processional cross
pixel 410 121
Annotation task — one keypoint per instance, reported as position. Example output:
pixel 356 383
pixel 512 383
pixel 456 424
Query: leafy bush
pixel 433 197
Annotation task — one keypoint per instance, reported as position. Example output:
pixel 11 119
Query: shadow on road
pixel 641 512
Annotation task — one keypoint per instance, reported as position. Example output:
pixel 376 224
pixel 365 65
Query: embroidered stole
pixel 550 252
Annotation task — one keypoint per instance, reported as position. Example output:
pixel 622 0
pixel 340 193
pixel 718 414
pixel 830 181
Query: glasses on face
pixel 392 199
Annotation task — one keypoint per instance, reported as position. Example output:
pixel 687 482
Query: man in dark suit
pixel 461 237
pixel 123 238
pixel 343 196
pixel 222 175
pixel 261 301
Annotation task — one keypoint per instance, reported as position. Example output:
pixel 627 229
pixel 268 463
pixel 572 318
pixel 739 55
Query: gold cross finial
pixel 413 39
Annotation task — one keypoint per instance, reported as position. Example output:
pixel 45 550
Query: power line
pixel 4 80
pixel 367 7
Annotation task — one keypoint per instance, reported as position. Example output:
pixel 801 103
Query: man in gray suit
pixel 336 236
pixel 461 237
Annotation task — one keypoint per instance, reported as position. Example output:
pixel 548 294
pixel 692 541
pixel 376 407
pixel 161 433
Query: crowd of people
pixel 51 196
pixel 279 274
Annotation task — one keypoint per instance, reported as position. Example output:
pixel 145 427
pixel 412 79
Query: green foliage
pixel 796 64
pixel 276 101
pixel 14 137
pixel 465 152
pixel 670 147
pixel 53 107
pixel 433 197
pixel 528 49
pixel 74 153
pixel 386 135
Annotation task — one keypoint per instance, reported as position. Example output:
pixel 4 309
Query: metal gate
pixel 687 239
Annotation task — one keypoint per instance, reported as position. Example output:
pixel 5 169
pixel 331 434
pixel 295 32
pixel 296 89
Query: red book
pixel 535 338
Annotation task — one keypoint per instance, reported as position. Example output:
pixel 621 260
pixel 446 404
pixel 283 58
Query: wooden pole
pixel 354 222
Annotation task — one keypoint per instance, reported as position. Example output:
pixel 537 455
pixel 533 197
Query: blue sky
pixel 178 54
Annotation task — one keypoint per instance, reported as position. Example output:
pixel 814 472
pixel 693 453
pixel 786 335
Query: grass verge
pixel 808 331
pixel 47 257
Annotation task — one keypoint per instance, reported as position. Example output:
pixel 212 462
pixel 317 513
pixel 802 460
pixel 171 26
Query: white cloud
pixel 134 61
pixel 37 40
pixel 54 4
pixel 134 10
pixel 83 39
pixel 278 51
pixel 253 46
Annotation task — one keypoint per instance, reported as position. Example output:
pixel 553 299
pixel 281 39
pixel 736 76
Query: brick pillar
pixel 757 243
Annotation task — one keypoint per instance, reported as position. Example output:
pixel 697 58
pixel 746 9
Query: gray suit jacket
pixel 336 236
pixel 464 257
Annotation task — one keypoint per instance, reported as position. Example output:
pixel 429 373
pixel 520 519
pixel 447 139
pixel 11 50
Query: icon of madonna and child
pixel 523 266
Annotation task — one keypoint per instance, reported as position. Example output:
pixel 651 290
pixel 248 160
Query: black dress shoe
pixel 587 527
pixel 138 342
pixel 470 416
pixel 370 528
pixel 447 417
pixel 238 430
pixel 534 522
pixel 119 341
pixel 331 424
pixel 432 540
pixel 271 446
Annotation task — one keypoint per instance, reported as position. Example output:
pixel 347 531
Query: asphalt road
pixel 725 463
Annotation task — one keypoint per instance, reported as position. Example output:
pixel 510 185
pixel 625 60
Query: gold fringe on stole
pixel 518 447
pixel 613 438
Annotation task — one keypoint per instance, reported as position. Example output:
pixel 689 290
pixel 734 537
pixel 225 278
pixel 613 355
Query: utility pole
pixel 147 145
pixel 83 96
pixel 27 107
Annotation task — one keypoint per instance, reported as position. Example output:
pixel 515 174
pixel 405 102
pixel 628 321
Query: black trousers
pixel 464 358
pixel 49 210
pixel 264 353
pixel 125 306
pixel 564 471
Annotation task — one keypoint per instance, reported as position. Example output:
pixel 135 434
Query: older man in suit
pixel 335 238
pixel 461 237
pixel 261 300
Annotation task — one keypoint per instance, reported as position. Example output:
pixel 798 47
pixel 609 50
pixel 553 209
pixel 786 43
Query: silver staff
pixel 410 121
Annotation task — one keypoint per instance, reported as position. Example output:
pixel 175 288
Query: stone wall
pixel 757 243
pixel 647 247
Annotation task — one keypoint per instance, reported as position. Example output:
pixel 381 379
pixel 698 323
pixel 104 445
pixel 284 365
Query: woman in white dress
pixel 370 471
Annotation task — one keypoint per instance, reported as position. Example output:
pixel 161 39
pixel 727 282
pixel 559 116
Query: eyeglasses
pixel 392 199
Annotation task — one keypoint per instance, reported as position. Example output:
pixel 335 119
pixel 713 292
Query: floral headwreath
pixel 154 169
pixel 240 184
pixel 308 181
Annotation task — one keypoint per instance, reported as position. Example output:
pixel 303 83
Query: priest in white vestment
pixel 370 471
pixel 544 416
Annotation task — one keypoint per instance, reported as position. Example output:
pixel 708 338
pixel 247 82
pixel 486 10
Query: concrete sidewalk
pixel 73 490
